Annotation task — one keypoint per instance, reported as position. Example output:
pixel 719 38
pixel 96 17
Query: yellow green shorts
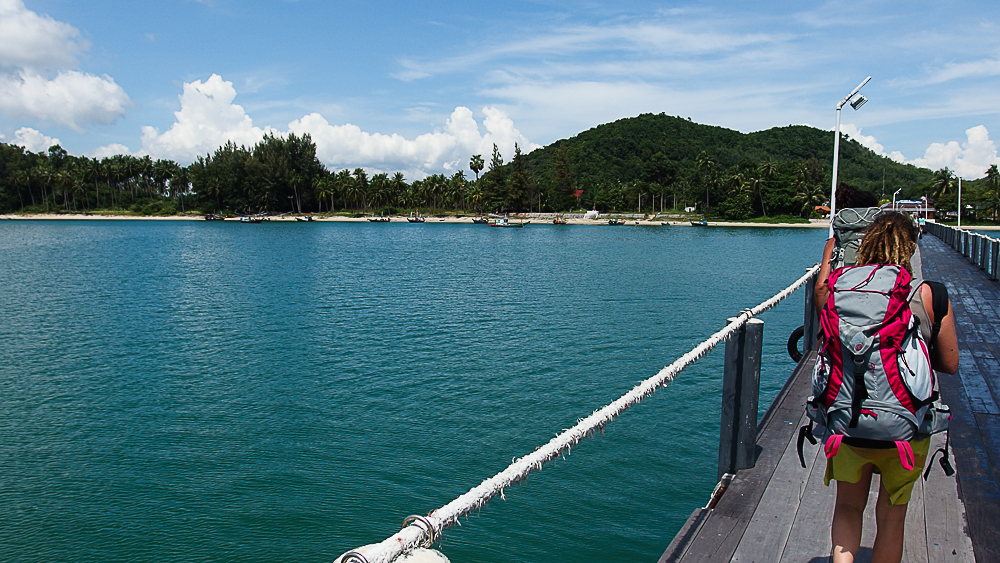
pixel 849 461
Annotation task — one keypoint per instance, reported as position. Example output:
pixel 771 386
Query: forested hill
pixel 666 149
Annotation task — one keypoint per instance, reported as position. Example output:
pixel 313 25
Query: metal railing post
pixel 994 256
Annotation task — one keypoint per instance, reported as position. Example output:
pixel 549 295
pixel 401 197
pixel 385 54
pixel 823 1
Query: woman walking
pixel 889 240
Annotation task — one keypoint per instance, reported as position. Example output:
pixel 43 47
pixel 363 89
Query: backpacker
pixel 873 381
pixel 848 229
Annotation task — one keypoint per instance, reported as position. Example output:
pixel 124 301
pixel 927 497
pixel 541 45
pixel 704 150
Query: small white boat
pixel 415 218
pixel 505 222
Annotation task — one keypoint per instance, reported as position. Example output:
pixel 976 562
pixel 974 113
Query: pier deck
pixel 779 512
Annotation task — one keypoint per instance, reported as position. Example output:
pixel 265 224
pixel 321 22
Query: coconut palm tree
pixel 398 185
pixel 706 167
pixel 943 182
pixel 992 193
pixel 809 196
pixel 767 170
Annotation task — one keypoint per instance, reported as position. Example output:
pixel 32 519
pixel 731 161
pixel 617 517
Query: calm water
pixel 188 391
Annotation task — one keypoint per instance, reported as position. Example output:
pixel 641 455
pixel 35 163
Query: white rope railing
pixel 422 531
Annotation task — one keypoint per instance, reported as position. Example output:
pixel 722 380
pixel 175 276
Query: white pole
pixel 836 153
pixel 836 159
pixel 959 202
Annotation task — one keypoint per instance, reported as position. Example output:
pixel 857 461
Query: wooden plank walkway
pixel 779 512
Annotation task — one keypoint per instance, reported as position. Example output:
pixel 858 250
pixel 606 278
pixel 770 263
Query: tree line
pixel 648 163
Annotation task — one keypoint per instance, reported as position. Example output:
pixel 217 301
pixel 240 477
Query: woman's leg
pixel 891 521
pixel 848 516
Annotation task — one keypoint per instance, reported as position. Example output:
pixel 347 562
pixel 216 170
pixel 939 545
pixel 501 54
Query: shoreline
pixel 601 221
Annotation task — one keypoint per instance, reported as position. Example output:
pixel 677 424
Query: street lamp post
pixel 894 198
pixel 856 104
pixel 959 202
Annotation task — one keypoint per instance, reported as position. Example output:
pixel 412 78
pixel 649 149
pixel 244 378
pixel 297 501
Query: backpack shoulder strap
pixel 939 305
pixel 918 309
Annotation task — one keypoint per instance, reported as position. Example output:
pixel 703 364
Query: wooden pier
pixel 776 511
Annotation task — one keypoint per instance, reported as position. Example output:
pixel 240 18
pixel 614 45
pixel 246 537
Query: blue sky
pixel 419 87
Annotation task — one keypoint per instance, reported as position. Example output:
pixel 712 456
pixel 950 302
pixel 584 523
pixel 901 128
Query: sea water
pixel 285 392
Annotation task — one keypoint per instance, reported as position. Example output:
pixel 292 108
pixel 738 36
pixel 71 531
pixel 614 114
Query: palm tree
pixel 476 164
pixel 321 187
pixel 180 183
pixel 943 181
pixel 993 191
pixel 295 180
pixel 992 177
pixel 361 181
pixel 767 170
pixel 395 187
pixel 737 183
pixel 809 196
pixel 23 177
pixel 756 184
pixel 476 196
pixel 706 166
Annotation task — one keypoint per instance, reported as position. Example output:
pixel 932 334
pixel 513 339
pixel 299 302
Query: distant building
pixel 913 206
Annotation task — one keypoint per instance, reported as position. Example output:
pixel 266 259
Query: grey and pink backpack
pixel 873 384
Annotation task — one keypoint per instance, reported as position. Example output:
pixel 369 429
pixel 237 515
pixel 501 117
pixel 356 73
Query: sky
pixel 419 87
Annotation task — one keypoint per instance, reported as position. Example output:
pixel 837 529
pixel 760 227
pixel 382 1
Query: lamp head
pixel 858 102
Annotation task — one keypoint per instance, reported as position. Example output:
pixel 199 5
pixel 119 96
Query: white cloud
pixel 37 55
pixel 208 118
pixel 956 71
pixel 968 160
pixel 29 40
pixel 72 98
pixel 33 140
pixel 867 141
pixel 447 149
pixel 109 150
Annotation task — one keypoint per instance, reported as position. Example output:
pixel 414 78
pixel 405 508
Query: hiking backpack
pixel 848 229
pixel 873 381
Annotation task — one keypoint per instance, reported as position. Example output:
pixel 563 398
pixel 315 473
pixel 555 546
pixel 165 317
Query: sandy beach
pixel 528 219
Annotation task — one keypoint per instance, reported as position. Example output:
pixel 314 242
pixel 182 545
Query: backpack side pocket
pixel 936 419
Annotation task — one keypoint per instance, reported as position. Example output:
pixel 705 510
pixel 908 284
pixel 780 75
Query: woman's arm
pixel 945 357
pixel 822 290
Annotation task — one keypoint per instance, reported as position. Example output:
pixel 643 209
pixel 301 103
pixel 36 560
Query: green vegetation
pixel 650 163
pixel 778 219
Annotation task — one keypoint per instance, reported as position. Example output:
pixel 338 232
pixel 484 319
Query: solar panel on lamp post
pixel 856 104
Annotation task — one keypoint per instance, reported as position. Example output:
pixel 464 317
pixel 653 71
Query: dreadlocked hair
pixel 890 239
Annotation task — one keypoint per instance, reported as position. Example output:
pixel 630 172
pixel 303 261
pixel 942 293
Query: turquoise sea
pixel 284 392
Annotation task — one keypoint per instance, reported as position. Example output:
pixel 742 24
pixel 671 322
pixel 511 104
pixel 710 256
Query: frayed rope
pixel 412 536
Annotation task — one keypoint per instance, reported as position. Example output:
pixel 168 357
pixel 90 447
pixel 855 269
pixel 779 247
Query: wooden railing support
pixel 740 394
pixel 810 320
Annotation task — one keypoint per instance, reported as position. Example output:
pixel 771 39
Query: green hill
pixel 665 151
